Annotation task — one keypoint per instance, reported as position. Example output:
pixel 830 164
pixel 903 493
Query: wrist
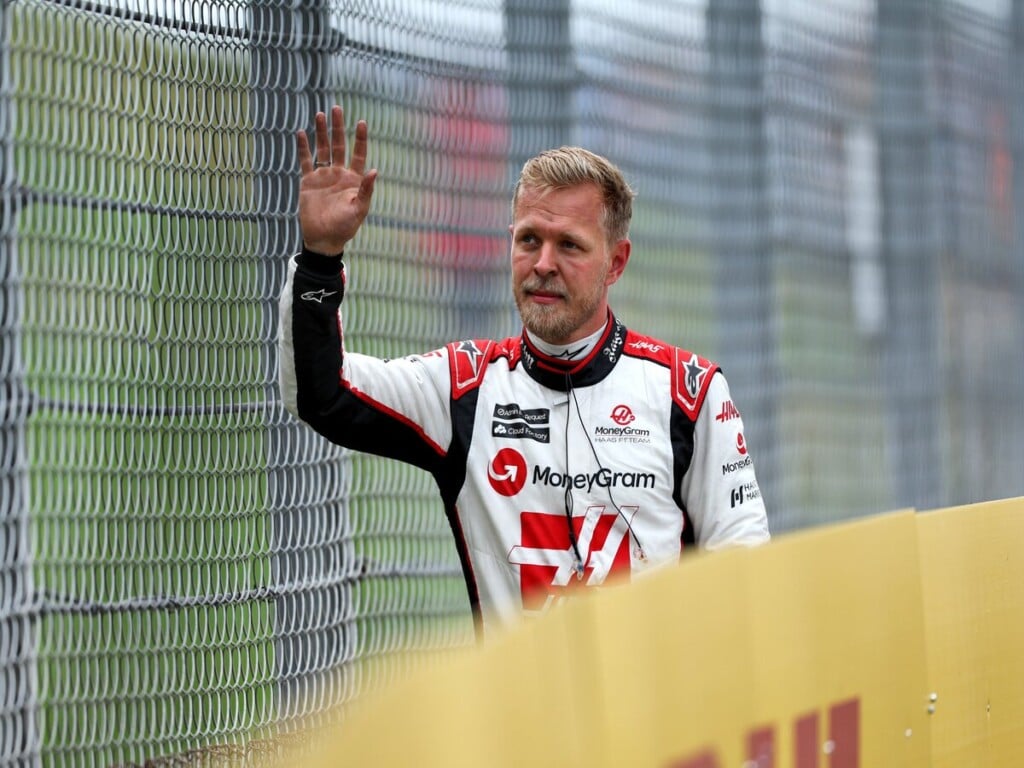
pixel 318 249
pixel 328 266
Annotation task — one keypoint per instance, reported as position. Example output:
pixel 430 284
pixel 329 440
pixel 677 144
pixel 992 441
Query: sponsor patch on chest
pixel 621 426
pixel 512 422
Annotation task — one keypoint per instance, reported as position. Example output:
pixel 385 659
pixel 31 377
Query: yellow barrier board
pixel 972 574
pixel 839 629
pixel 527 698
pixel 807 652
pixel 822 649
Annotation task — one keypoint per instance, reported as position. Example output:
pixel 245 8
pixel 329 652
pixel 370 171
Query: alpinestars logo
pixel 468 366
pixel 695 373
pixel 546 559
pixel 317 296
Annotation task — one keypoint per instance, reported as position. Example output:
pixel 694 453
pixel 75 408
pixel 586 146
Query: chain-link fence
pixel 831 204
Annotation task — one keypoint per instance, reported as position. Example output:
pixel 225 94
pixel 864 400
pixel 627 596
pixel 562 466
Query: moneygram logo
pixel 602 478
pixel 732 466
pixel 623 416
pixel 507 472
pixel 741 444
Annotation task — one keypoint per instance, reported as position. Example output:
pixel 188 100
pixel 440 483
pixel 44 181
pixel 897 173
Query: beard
pixel 556 323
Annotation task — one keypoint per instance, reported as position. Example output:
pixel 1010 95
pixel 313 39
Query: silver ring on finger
pixel 322 164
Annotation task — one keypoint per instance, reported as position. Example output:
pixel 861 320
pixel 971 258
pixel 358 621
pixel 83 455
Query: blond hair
pixel 571 166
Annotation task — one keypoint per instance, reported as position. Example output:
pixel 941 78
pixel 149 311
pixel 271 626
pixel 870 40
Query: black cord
pixel 568 488
pixel 579 415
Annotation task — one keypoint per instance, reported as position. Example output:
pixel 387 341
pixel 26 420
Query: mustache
pixel 547 286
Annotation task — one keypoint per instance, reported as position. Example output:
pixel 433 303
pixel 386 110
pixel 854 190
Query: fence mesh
pixel 831 204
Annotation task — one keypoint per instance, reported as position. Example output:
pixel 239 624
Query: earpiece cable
pixel 579 415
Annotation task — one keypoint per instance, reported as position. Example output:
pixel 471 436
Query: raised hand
pixel 333 199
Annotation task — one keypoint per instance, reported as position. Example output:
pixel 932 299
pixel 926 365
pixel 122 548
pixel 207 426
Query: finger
pixel 305 157
pixel 359 150
pixel 366 186
pixel 337 135
pixel 323 149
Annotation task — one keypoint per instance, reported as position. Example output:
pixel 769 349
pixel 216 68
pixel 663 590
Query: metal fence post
pixel 541 77
pixel 748 348
pixel 1016 147
pixel 19 729
pixel 291 45
pixel 912 245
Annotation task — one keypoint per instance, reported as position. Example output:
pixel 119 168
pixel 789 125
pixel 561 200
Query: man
pixel 578 451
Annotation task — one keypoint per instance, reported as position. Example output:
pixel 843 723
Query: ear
pixel 620 257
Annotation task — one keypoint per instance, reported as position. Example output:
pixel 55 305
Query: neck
pixel 576 350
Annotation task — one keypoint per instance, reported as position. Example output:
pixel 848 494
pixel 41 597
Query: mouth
pixel 544 297
pixel 542 294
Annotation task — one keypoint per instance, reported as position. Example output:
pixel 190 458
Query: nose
pixel 545 263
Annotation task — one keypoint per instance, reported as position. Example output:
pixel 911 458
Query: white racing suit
pixel 553 475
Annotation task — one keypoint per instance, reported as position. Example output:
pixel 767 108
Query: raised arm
pixel 397 408
pixel 333 198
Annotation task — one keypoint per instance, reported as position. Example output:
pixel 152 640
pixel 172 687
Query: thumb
pixel 366 186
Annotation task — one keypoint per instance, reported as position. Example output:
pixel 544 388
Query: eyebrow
pixel 566 234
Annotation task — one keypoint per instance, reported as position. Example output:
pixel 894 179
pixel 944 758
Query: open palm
pixel 333 198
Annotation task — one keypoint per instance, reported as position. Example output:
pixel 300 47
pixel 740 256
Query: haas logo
pixel 547 560
pixel 622 415
pixel 507 472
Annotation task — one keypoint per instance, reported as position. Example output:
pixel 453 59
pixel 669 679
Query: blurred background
pixel 830 204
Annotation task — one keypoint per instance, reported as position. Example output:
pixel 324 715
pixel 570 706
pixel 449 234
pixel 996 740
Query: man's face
pixel 562 263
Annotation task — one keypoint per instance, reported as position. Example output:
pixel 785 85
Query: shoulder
pixel 468 360
pixel 691 374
